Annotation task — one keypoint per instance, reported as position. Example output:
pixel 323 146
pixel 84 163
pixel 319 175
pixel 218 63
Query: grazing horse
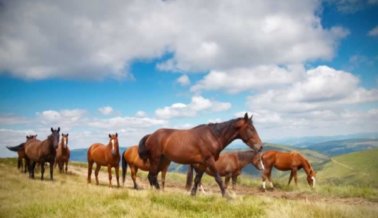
pixel 131 157
pixel 104 155
pixel 63 153
pixel 286 161
pixel 199 145
pixel 42 151
pixel 230 165
pixel 21 161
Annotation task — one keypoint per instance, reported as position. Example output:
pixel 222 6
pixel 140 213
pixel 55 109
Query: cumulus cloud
pixel 66 118
pixel 242 79
pixel 106 110
pixel 85 40
pixel 373 32
pixel 183 80
pixel 197 105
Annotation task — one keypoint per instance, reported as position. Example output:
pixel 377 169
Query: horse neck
pixel 307 167
pixel 225 132
pixel 245 158
pixel 49 143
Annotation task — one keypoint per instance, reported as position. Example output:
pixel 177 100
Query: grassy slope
pixel 70 196
pixel 358 169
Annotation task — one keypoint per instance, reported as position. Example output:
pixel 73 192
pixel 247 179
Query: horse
pixel 21 160
pixel 286 161
pixel 199 145
pixel 131 157
pixel 63 153
pixel 229 165
pixel 42 151
pixel 104 155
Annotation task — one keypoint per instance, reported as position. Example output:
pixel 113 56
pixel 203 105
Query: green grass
pixel 70 196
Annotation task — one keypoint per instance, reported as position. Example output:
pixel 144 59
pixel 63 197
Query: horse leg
pixel 197 181
pixel 31 169
pixel 218 179
pixel 42 169
pixel 98 166
pixel 154 170
pixel 52 170
pixel 270 179
pixel 227 180
pixel 134 171
pixel 117 175
pixel 110 175
pixel 66 166
pixel 234 180
pixel 290 178
pixel 163 173
pixel 295 177
pixel 19 163
pixel 90 165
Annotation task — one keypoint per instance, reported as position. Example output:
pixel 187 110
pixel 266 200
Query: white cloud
pixel 126 122
pixel 242 79
pixel 197 104
pixel 63 118
pixel 373 32
pixel 183 80
pixel 85 40
pixel 106 110
pixel 141 114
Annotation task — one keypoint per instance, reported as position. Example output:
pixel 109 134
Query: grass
pixel 70 196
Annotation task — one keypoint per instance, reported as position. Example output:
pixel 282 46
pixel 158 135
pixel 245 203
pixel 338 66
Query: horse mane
pixel 219 128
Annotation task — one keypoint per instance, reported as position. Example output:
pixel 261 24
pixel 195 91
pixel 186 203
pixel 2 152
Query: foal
pixel 63 153
pixel 286 161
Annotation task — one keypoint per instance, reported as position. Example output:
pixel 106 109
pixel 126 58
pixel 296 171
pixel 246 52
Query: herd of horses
pixel 198 147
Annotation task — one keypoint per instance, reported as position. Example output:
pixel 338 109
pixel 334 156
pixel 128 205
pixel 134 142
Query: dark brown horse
pixel 131 157
pixel 200 145
pixel 230 165
pixel 104 155
pixel 63 153
pixel 286 161
pixel 20 149
pixel 42 151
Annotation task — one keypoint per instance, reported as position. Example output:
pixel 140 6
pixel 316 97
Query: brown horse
pixel 104 155
pixel 130 157
pixel 21 160
pixel 199 145
pixel 63 153
pixel 42 151
pixel 286 161
pixel 230 165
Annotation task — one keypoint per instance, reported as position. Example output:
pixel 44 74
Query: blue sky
pixel 302 68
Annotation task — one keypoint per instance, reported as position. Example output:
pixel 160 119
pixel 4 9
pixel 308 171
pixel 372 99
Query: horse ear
pixel 251 117
pixel 58 129
pixel 67 134
pixel 116 134
pixel 110 136
pixel 52 129
pixel 62 134
pixel 246 116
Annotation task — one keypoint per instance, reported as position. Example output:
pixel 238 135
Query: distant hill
pixel 358 168
pixel 338 147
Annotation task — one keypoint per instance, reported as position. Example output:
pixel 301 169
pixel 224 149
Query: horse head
pixel 55 137
pixel 248 134
pixel 257 161
pixel 114 143
pixel 311 178
pixel 65 140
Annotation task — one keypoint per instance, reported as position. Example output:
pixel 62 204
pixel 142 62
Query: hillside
pixel 358 168
pixel 70 196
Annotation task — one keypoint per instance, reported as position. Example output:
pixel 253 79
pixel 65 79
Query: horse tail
pixel 189 178
pixel 16 148
pixel 142 150
pixel 124 167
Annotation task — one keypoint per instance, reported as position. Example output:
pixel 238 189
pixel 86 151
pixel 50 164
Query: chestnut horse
pixel 21 160
pixel 63 153
pixel 230 165
pixel 104 155
pixel 286 161
pixel 42 151
pixel 131 157
pixel 199 145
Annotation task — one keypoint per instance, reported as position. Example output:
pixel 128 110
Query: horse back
pixel 32 149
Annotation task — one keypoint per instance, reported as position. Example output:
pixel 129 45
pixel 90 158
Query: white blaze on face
pixel 313 181
pixel 65 142
pixel 113 145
